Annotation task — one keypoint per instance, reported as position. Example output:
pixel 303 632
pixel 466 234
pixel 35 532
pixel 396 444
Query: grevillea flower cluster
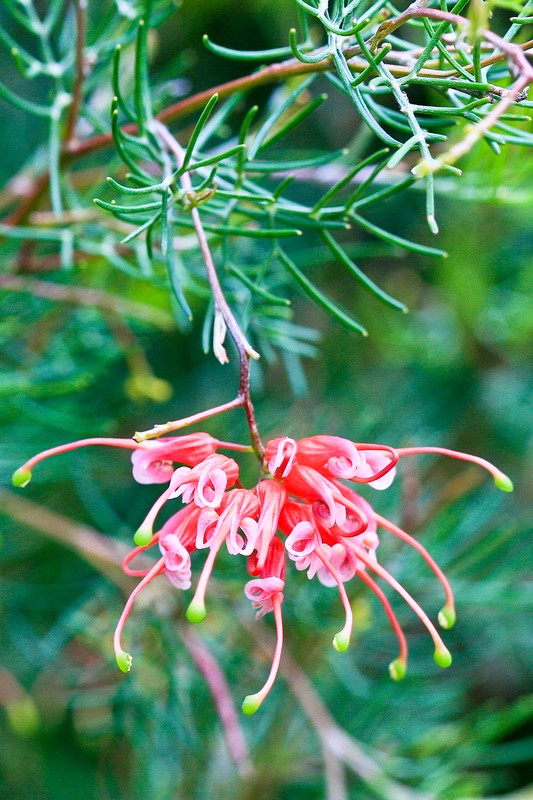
pixel 304 512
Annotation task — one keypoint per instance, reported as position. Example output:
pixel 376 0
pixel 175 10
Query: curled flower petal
pixel 302 543
pixel 377 466
pixel 153 461
pixel 272 498
pixel 177 561
pixel 279 456
pixel 206 482
pixel 334 456
pixel 260 592
pixel 344 565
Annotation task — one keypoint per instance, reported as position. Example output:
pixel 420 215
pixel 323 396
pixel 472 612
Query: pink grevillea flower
pixel 306 547
pixel 206 482
pixel 333 456
pixel 177 540
pixel 266 594
pixel 235 523
pixel 329 503
pixel 154 463
pixel 377 465
pixel 330 530
pixel 152 460
pixel 272 497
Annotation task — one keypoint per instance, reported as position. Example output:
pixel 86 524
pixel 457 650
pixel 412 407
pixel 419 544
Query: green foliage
pixel 301 199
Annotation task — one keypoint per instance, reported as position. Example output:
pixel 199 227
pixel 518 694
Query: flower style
pixel 305 512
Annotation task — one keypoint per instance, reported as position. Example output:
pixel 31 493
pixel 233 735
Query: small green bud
pixel 21 477
pixel 196 612
pixel 503 482
pixel 398 669
pixel 250 704
pixel 341 641
pixel 442 657
pixel 124 661
pixel 447 617
pixel 143 537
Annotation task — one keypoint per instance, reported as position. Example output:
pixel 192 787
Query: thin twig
pixel 264 77
pixel 222 310
pixel 176 425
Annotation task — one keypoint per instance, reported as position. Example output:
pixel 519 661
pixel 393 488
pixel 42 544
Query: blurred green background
pixel 456 372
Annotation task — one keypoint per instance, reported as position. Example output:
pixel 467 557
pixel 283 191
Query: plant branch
pixel 273 73
pixel 224 317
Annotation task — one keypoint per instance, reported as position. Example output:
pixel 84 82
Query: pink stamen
pixel 148 522
pixel 196 610
pixel 156 570
pixel 343 637
pixel 127 444
pixel 391 616
pixel 421 614
pixel 137 573
pixel 432 564
pixel 394 454
pixel 252 702
pixel 500 477
pixel 358 512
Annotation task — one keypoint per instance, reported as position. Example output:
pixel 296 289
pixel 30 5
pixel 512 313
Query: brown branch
pixel 264 77
pixel 224 317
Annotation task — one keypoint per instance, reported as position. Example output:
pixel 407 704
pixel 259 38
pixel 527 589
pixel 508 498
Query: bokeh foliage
pixel 455 371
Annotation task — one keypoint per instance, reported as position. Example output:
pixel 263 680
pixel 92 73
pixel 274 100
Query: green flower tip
pixel 124 661
pixel 21 477
pixel 447 617
pixel 143 537
pixel 196 613
pixel 503 482
pixel 442 657
pixel 398 669
pixel 250 704
pixel 341 641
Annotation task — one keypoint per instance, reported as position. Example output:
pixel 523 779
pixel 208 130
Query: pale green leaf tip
pixel 503 482
pixel 142 537
pixel 443 657
pixel 341 642
pixel 124 661
pixel 21 477
pixel 250 704
pixel 398 669
pixel 196 613
pixel 447 617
